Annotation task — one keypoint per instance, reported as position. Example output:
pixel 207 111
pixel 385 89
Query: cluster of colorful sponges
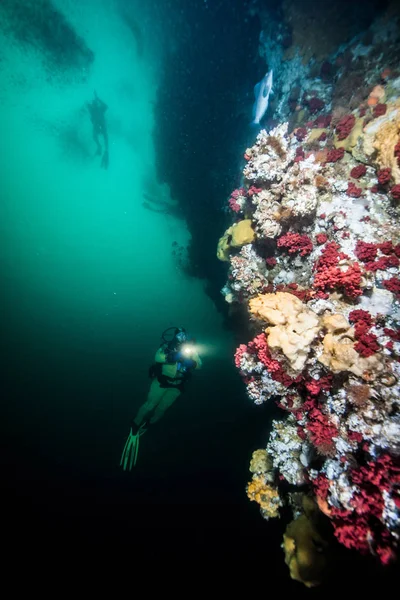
pixel 321 285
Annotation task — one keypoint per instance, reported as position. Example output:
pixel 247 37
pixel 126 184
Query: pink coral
pixel 321 238
pixel 300 133
pixel 383 263
pixel 254 190
pixel 260 345
pixel 386 554
pixel 393 285
pixel 292 288
pixel 362 322
pixel 358 171
pixel 329 276
pixel 359 315
pixel 294 242
pixel 395 192
pixel 383 473
pixel 316 386
pixel 363 528
pixel 239 353
pixel 366 345
pixel 330 256
pixel 355 436
pixel 233 205
pixel 327 280
pixel 321 431
pixel 344 127
pixel 350 281
pixel 321 486
pixel 299 154
pixel 386 247
pixel 322 122
pixel 354 536
pixel 335 154
pixel 384 176
pixel 238 192
pixel 365 251
pixel 353 191
pixel 233 200
pixel 315 105
pixel 395 335
pixel 379 110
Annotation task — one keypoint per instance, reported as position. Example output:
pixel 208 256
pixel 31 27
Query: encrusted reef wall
pixel 313 259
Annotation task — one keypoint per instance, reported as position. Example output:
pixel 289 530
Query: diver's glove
pixel 189 363
pixel 131 448
pixel 173 357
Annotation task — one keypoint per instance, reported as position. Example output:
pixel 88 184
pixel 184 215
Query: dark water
pixel 89 281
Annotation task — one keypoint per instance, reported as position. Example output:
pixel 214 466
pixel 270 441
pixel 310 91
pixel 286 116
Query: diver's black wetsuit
pixel 97 111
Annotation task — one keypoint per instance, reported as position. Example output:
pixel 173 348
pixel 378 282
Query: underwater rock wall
pixel 204 96
pixel 313 260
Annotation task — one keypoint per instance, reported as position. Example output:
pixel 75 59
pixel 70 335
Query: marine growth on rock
pixel 320 284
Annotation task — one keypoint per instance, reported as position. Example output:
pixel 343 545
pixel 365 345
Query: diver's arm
pixel 100 102
pixel 103 105
pixel 160 356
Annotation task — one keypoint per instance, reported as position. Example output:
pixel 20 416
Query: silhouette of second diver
pixel 97 109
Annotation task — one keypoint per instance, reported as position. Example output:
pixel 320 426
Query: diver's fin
pixel 131 448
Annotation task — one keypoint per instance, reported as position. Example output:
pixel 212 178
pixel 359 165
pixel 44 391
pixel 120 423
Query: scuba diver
pixel 97 109
pixel 175 361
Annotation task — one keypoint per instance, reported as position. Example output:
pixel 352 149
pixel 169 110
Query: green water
pixel 89 279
